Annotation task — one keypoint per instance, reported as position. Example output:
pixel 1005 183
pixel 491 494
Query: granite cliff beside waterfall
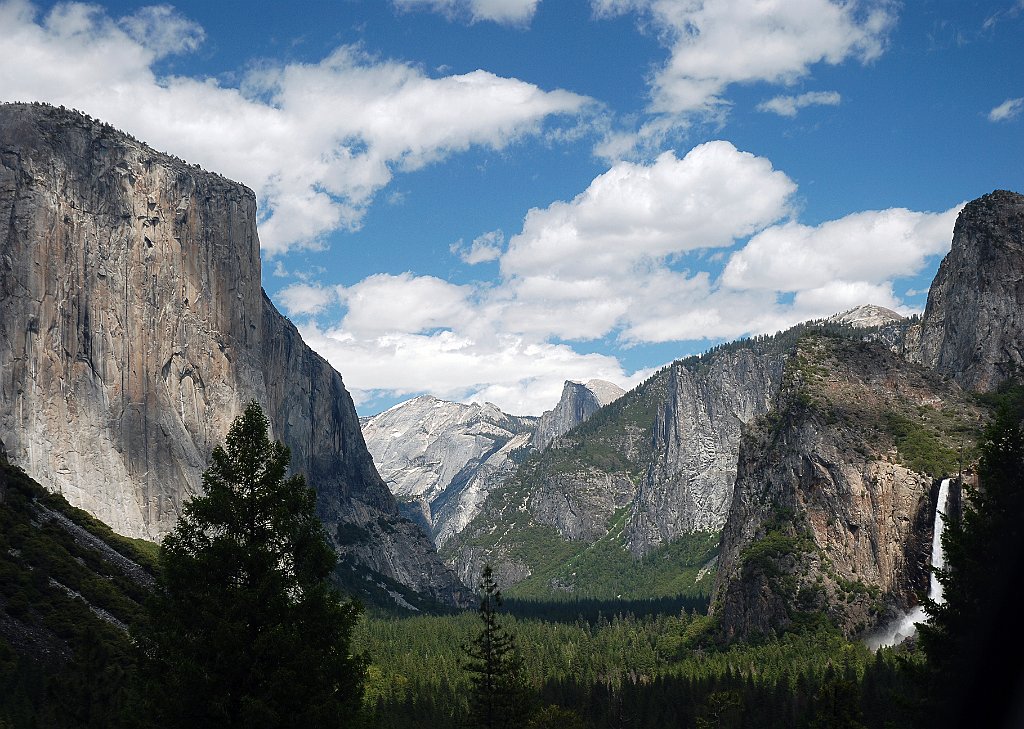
pixel 832 508
pixel 133 329
pixel 657 465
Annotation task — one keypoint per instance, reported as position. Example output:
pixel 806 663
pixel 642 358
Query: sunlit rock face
pixel 440 459
pixel 133 330
pixel 831 510
pixel 696 437
pixel 578 402
pixel 973 325
pixel 867 316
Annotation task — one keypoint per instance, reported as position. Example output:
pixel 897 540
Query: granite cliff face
pixel 832 506
pixel 562 498
pixel 578 402
pixel 688 486
pixel 655 466
pixel 133 329
pixel 973 325
pixel 440 459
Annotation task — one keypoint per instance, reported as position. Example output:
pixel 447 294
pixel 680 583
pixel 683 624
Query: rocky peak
pixel 866 316
pixel 578 402
pixel 973 324
pixel 440 458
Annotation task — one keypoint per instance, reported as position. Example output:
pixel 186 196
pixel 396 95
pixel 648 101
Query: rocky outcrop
pixel 579 504
pixel 440 459
pixel 688 486
pixel 834 492
pixel 973 324
pixel 578 402
pixel 133 329
pixel 662 457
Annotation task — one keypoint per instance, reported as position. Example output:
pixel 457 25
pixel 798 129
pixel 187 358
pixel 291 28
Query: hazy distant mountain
pixel 440 459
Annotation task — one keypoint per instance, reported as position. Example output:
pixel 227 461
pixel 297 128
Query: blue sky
pixel 483 198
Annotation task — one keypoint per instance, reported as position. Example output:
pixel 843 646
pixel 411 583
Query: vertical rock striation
pixel 133 329
pixel 831 508
pixel 973 325
pixel 688 486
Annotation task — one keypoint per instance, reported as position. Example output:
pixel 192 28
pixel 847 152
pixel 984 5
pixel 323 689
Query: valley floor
pixel 618 670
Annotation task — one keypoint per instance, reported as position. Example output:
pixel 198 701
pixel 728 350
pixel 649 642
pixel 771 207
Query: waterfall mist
pixel 905 626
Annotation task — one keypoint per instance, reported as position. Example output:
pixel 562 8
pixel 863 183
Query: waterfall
pixel 906 626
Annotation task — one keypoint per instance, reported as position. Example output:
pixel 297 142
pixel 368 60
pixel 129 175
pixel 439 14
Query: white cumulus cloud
pixel 383 304
pixel 316 141
pixel 486 247
pixel 872 246
pixel 520 376
pixel 633 212
pixel 304 298
pixel 715 44
pixel 630 259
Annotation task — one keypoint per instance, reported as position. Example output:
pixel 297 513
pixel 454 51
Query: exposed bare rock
pixel 578 402
pixel 696 438
pixel 90 541
pixel 440 459
pixel 133 330
pixel 973 325
pixel 579 504
pixel 866 316
pixel 831 509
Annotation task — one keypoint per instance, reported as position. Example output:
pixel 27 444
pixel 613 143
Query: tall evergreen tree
pixel 499 697
pixel 973 640
pixel 245 630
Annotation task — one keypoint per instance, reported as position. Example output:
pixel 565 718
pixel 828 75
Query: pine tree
pixel 973 640
pixel 245 630
pixel 499 697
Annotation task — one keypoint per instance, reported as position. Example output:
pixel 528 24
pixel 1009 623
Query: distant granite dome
pixel 578 402
pixel 868 315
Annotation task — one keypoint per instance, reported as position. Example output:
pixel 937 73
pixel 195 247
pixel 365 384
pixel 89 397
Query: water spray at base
pixel 906 626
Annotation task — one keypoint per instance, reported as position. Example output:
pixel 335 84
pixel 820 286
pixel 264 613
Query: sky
pixel 480 199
